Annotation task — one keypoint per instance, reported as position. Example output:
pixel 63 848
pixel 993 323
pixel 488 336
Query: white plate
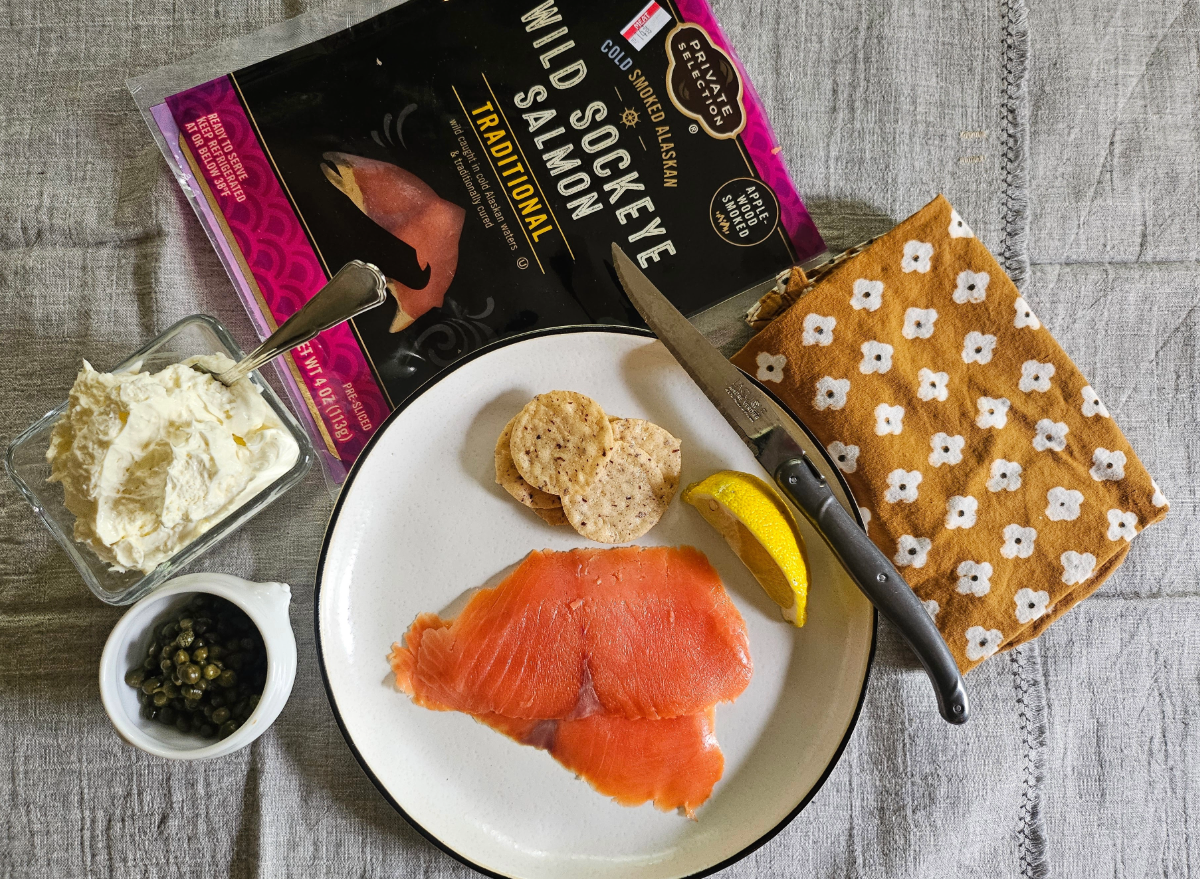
pixel 421 521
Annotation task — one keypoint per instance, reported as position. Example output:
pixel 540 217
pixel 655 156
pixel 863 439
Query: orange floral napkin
pixel 986 465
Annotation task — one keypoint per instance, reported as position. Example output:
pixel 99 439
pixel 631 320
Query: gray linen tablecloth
pixel 1067 133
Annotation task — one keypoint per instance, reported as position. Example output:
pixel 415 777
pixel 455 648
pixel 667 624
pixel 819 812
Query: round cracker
pixel 560 440
pixel 510 480
pixel 663 449
pixel 553 515
pixel 623 502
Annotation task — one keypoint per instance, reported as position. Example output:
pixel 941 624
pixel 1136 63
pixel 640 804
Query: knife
pixel 787 453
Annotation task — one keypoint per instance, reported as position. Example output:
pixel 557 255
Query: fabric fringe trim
pixel 1029 682
pixel 1014 255
pixel 1028 677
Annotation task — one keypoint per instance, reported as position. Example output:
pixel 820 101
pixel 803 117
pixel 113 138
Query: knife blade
pixel 786 452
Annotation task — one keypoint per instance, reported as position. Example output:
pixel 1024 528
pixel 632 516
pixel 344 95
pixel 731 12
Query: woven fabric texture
pixel 1079 758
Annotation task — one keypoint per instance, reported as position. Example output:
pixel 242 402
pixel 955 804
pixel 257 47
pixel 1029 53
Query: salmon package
pixel 484 155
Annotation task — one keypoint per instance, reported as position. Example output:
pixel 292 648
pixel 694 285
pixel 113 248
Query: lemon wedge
pixel 760 528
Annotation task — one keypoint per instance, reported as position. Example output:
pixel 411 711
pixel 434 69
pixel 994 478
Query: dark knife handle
pixel 878 579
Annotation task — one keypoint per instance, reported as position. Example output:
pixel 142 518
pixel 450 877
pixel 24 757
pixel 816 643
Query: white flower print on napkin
pixel 911 551
pixel 974 578
pixel 818 329
pixel 770 366
pixel 902 486
pixel 1006 476
pixel 932 608
pixel 960 511
pixel 946 449
pixel 844 456
pixel 1062 504
pixel 889 419
pixel 1077 567
pixel 1107 466
pixel 982 643
pixel 958 228
pixel 972 287
pixel 978 347
pixel 1035 376
pixel 993 412
pixel 831 393
pixel 1050 435
pixel 1030 604
pixel 1018 542
pixel 918 257
pixel 867 294
pixel 866 517
pixel 918 323
pixel 877 357
pixel 1158 498
pixel 1121 525
pixel 1092 404
pixel 932 385
pixel 1025 316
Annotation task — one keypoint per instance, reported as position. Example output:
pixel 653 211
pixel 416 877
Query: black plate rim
pixel 333 517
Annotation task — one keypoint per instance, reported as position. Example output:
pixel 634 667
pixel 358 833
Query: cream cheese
pixel 150 461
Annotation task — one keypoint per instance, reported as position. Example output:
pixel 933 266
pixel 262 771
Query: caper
pixel 211 641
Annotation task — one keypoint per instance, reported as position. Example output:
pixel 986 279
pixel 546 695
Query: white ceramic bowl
pixel 267 606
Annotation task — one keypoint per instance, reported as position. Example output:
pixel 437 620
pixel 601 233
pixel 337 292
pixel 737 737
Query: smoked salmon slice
pixel 673 763
pixel 639 633
pixel 406 206
pixel 611 660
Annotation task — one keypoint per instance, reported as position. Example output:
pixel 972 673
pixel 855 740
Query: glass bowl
pixel 26 463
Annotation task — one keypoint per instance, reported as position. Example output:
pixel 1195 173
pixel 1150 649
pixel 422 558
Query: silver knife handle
pixel 356 287
pixel 878 579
